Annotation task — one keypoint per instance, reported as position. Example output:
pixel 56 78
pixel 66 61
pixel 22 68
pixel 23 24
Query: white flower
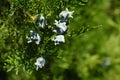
pixel 60 28
pixel 40 62
pixel 41 21
pixel 65 15
pixel 58 39
pixel 34 37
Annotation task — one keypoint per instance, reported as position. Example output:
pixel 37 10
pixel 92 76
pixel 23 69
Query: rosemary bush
pixel 59 40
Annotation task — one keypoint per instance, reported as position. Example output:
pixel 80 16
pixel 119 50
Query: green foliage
pixel 92 37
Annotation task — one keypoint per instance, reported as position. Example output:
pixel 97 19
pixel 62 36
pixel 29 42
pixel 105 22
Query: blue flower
pixel 34 37
pixel 107 62
pixel 58 39
pixel 40 62
pixel 41 22
pixel 65 15
pixel 60 27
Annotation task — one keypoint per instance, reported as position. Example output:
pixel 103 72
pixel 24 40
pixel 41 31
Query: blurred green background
pixel 92 48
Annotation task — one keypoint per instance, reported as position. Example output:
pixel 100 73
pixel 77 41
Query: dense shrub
pixel 90 50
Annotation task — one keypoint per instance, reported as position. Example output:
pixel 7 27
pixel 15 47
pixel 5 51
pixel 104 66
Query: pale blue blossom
pixel 41 21
pixel 65 15
pixel 34 37
pixel 60 27
pixel 58 39
pixel 107 62
pixel 40 62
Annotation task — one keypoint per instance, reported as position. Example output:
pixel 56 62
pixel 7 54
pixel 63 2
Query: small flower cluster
pixel 58 39
pixel 34 37
pixel 60 28
pixel 40 21
pixel 40 62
